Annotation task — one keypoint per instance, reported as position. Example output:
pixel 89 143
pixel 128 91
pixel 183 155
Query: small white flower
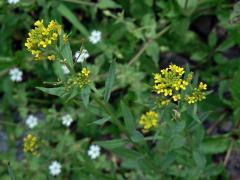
pixel 16 74
pixel 67 120
pixel 95 36
pixel 80 56
pixel 32 121
pixel 13 1
pixel 94 151
pixel 65 69
pixel 55 168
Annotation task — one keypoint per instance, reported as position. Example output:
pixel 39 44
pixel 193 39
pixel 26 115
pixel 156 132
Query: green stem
pixel 185 5
pixel 115 121
pixel 106 108
pixel 10 172
pixel 8 123
pixel 228 153
pixel 81 2
pixel 60 57
pixel 147 44
pixel 4 72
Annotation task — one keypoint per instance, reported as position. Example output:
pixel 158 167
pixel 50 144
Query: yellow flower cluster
pixel 80 79
pixel 169 82
pixel 198 94
pixel 30 144
pixel 149 120
pixel 42 37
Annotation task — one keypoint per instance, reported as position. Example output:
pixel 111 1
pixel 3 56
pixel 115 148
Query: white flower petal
pixel 94 151
pixel 81 56
pixel 13 1
pixel 15 74
pixel 67 120
pixel 95 36
pixel 55 168
pixel 65 69
pixel 31 121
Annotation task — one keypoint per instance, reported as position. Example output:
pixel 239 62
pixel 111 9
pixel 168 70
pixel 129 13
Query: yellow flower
pixel 198 94
pixel 176 69
pixel 165 102
pixel 191 99
pixel 85 72
pixel 65 38
pixel 30 144
pixel 78 80
pixel 42 37
pixel 176 97
pixel 169 82
pixel 149 120
pixel 51 57
pixel 202 86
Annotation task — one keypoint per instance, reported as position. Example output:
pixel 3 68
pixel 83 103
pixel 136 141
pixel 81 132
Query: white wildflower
pixel 55 168
pixel 16 74
pixel 32 121
pixel 95 36
pixel 13 1
pixel 65 69
pixel 67 120
pixel 80 56
pixel 94 151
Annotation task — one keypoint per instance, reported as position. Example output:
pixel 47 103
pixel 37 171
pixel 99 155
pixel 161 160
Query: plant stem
pixel 81 2
pixel 228 153
pixel 147 44
pixel 186 4
pixel 106 108
pixel 115 121
pixel 10 172
pixel 4 72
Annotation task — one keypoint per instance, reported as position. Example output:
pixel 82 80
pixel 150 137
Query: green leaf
pixel 228 43
pixel 112 144
pixel 59 91
pixel 127 153
pixel 72 94
pixel 179 126
pixel 137 136
pixel 220 59
pixel 66 51
pixel 58 70
pixel 153 51
pixel 149 2
pixel 177 142
pixel 107 4
pixel 85 93
pixel 10 172
pixel 212 39
pixel 130 164
pixel 110 81
pixel 235 87
pixel 213 169
pixel 129 120
pixel 214 145
pixel 180 26
pixel 101 121
pixel 67 13
pixel 236 11
pixel 188 4
pixel 199 56
pixel 167 161
pixel 199 159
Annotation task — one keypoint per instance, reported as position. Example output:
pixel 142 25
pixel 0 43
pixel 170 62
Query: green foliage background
pixel 139 37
